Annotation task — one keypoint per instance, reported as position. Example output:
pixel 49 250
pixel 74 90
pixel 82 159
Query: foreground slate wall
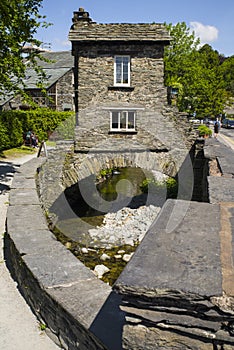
pixel 82 312
pixel 63 293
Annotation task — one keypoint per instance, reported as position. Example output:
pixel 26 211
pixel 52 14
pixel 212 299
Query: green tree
pixel 211 91
pixel 177 54
pixel 196 70
pixel 227 72
pixel 177 60
pixel 19 21
pixel 211 57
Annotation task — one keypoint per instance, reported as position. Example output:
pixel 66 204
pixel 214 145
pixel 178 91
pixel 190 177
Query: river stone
pixel 126 227
pixel 127 257
pixel 104 257
pixel 100 270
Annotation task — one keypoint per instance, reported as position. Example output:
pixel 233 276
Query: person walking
pixel 216 128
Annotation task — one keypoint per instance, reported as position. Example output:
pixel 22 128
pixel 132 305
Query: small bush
pixel 204 130
pixel 43 122
pixel 154 186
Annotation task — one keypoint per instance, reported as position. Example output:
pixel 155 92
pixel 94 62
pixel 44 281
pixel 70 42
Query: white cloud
pixel 206 33
pixel 62 43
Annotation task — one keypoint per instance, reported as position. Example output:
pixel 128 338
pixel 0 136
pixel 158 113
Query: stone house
pixel 119 81
pixel 59 81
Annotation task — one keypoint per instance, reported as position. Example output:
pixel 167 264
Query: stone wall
pixel 168 132
pixel 65 92
pixel 96 75
pixel 61 290
pixel 82 312
pixel 64 294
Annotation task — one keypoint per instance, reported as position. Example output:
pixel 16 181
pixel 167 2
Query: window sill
pixel 128 132
pixel 121 88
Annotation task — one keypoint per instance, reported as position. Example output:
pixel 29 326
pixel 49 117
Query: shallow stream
pixel 89 202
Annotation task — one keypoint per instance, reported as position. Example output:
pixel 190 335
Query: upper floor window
pixel 123 120
pixel 122 71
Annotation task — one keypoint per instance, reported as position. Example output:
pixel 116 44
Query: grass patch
pixel 17 152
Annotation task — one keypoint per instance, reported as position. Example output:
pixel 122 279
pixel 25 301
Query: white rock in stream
pixel 84 250
pixel 127 226
pixel 100 270
pixel 127 257
pixel 104 257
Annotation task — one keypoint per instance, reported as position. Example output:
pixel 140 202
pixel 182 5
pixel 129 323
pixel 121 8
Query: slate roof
pixel 141 32
pixel 62 62
pixel 61 59
pixel 52 75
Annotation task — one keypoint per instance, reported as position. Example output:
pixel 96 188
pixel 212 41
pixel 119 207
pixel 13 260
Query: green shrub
pixel 204 130
pixel 154 186
pixel 172 187
pixel 43 122
pixel 4 137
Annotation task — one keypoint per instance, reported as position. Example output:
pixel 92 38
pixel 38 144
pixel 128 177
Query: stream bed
pixel 109 220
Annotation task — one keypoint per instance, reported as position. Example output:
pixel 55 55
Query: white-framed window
pixel 123 120
pixel 122 71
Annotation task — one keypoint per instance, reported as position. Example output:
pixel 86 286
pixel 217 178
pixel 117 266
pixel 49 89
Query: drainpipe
pixel 76 60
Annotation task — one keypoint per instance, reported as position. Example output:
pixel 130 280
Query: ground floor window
pixel 122 120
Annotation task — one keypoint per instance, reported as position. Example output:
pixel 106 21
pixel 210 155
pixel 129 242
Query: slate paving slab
pixel 221 189
pixel 183 263
pixel 181 278
pixel 225 156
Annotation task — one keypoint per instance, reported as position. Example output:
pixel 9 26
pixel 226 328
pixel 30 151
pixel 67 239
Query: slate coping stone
pixel 227 165
pixel 216 150
pixel 82 299
pixel 21 182
pixel 54 265
pixel 25 217
pixel 24 196
pixel 181 263
pixel 29 169
pixel 31 242
pixel 220 189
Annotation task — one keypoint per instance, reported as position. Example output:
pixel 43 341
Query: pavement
pixel 19 328
pixel 226 140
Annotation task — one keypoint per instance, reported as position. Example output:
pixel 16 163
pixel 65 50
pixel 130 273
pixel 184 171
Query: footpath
pixel 19 328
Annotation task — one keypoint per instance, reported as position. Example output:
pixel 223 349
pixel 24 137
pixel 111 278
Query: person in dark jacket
pixel 216 128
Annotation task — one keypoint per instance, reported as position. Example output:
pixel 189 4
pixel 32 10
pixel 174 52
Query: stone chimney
pixel 80 17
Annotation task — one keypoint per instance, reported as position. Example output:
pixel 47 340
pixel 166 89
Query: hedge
pixel 44 123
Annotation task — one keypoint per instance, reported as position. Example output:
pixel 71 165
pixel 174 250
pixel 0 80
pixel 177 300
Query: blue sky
pixel 212 21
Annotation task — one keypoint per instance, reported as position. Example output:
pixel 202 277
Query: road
pixel 227 137
pixel 19 328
